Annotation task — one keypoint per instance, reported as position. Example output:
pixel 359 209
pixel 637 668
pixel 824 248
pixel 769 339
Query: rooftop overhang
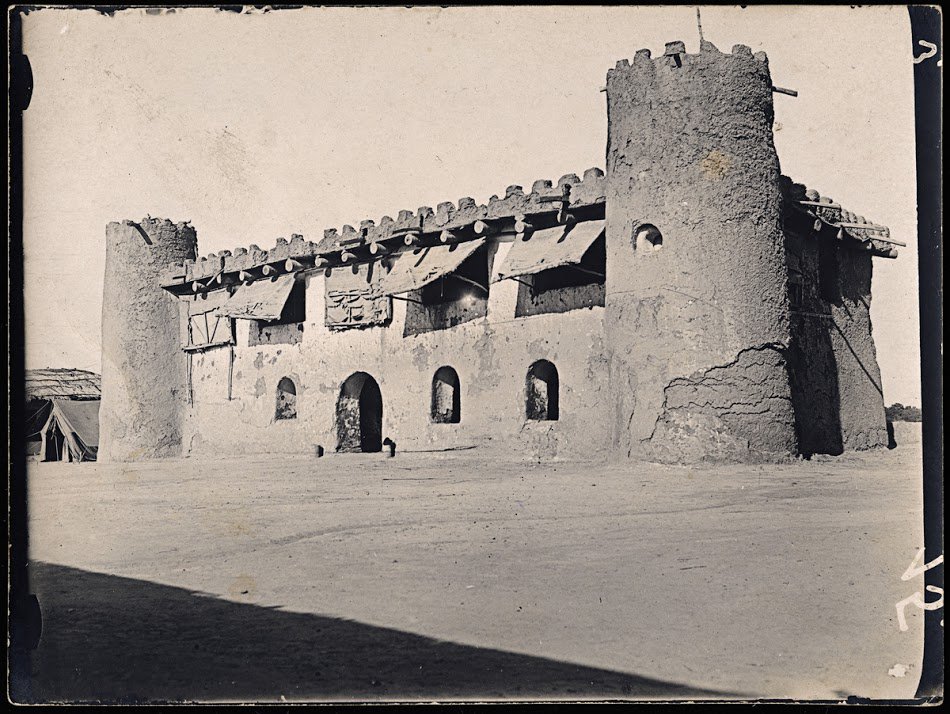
pixel 545 207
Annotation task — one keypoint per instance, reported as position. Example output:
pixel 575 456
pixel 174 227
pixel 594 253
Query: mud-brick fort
pixel 691 303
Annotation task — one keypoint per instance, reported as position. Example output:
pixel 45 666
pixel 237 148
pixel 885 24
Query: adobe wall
pixel 697 330
pixel 863 422
pixel 491 355
pixel 143 367
pixel 838 397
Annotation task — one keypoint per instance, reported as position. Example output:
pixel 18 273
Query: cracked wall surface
pixel 726 413
pixel 690 152
pixel 143 367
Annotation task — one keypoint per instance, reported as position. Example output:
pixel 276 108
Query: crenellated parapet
pixel 569 198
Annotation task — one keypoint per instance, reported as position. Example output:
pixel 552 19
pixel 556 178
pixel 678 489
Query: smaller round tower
pixel 143 366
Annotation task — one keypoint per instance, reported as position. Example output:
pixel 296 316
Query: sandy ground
pixel 445 576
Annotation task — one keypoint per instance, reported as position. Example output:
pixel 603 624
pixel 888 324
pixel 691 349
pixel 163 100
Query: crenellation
pixel 444 213
pixel 693 266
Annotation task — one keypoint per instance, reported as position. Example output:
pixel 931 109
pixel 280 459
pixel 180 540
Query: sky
pixel 259 125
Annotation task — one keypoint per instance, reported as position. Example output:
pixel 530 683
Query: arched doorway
pixel 359 415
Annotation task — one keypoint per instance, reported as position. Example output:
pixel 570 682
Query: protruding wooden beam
pixel 782 90
pixel 269 270
pixel 817 225
pixel 446 236
pixel 245 276
pixel 346 256
pixel 373 248
pixel 522 226
pixel 320 262
pixel 819 204
pixel 290 265
pixel 482 228
pixel 865 226
pixel 410 238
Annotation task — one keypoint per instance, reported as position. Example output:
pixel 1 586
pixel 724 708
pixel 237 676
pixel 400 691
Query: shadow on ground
pixel 113 639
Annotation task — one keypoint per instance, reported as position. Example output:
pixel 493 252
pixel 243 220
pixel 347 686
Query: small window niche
pixel 541 392
pixel 286 399
pixel 288 328
pixel 457 297
pixel 567 287
pixel 648 238
pixel 446 398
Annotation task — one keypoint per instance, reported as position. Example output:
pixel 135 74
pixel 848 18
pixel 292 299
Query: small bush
pixel 898 412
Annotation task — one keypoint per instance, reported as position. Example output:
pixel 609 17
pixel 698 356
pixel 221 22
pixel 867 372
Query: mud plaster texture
pixel 696 330
pixel 690 351
pixel 491 354
pixel 839 404
pixel 143 366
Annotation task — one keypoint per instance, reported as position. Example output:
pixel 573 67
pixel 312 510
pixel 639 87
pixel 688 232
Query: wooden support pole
pixel 401 297
pixel 230 368
pixel 191 398
pixel 470 282
pixel 589 272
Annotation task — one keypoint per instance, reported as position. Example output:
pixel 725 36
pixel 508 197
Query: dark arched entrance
pixel 359 415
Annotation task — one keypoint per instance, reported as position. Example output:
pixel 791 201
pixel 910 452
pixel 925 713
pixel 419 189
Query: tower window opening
pixel 648 237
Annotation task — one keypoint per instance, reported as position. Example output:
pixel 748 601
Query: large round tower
pixel 696 311
pixel 143 367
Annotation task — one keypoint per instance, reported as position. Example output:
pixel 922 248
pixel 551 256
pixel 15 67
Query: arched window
pixel 541 392
pixel 648 237
pixel 286 399
pixel 446 400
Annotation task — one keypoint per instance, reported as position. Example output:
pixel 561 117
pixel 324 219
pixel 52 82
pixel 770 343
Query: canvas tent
pixel 71 432
pixel 45 385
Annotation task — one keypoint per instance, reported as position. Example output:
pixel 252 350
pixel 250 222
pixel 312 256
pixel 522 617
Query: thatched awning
pixel 62 383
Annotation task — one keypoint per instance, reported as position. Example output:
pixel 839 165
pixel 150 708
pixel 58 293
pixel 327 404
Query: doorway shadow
pixel 121 640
